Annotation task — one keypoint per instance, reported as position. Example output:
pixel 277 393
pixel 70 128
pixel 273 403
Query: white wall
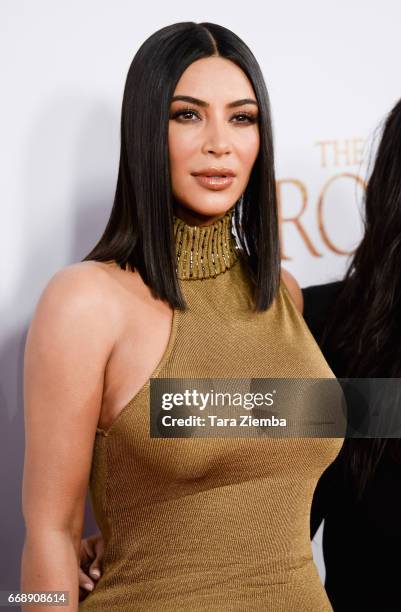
pixel 332 69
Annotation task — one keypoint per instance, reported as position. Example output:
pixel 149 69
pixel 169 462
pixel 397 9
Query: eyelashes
pixel 242 117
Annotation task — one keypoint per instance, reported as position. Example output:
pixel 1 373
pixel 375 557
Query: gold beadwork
pixel 204 251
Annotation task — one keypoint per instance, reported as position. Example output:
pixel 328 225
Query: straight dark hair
pixel 139 233
pixel 365 325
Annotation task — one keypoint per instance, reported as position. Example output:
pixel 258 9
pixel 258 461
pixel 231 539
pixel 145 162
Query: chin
pixel 208 209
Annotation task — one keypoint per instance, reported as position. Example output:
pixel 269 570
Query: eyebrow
pixel 206 104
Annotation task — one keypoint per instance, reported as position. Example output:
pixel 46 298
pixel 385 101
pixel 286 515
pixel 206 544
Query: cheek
pixel 181 148
pixel 249 149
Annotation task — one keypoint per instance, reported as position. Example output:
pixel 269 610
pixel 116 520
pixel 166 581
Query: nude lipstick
pixel 214 178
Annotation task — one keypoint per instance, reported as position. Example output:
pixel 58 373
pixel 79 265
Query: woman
pixel 184 283
pixel 357 323
pixel 359 495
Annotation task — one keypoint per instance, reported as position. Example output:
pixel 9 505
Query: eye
pixel 185 115
pixel 188 115
pixel 245 118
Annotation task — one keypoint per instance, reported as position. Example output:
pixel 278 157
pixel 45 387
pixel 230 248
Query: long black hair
pixel 139 232
pixel 365 326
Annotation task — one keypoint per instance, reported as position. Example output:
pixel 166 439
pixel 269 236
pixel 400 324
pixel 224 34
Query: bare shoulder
pixel 86 280
pixel 78 299
pixel 83 286
pixel 293 288
pixel 90 297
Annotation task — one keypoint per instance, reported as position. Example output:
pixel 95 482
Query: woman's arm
pixel 69 342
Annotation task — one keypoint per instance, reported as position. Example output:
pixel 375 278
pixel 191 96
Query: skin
pixel 98 334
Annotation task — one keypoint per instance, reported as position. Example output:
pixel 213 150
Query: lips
pixel 214 178
pixel 215 172
pixel 215 183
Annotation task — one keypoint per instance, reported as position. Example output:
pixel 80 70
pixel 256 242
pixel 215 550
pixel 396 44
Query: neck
pixel 204 251
pixel 193 218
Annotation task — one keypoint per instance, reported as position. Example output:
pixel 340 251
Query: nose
pixel 216 138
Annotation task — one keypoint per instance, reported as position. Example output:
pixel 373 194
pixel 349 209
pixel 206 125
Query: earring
pixel 239 208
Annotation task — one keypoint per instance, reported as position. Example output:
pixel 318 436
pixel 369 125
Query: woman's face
pixel 213 139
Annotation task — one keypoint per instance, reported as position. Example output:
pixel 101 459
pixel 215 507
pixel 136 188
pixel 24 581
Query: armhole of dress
pixel 289 303
pixel 287 294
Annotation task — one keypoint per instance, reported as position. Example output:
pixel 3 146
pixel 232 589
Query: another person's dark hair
pixel 140 228
pixel 365 326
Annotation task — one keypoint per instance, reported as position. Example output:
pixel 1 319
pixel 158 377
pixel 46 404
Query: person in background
pixel 357 323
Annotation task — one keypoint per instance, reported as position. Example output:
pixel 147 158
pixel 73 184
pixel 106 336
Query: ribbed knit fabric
pixel 213 523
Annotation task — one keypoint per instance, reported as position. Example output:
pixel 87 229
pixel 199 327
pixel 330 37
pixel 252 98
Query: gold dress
pixel 214 523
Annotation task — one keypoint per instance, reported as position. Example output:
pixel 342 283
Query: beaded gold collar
pixel 204 251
